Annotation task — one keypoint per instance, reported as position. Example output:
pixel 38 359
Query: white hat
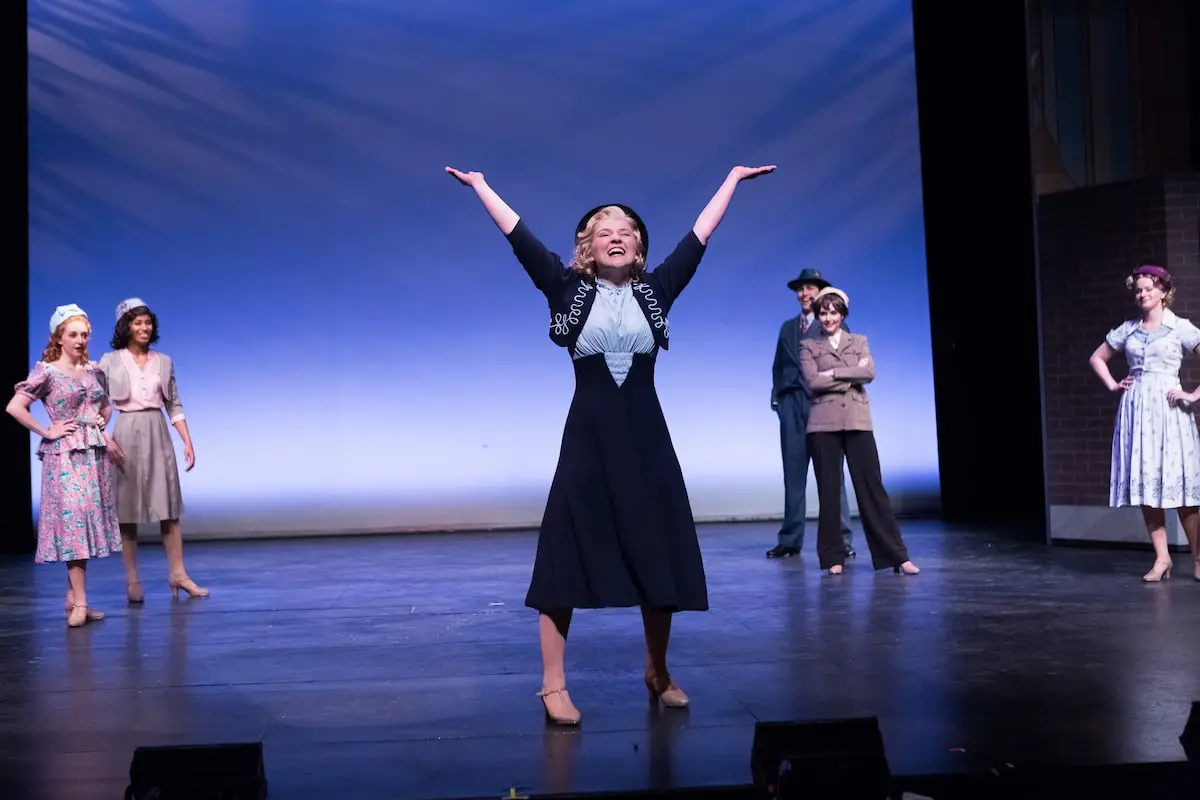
pixel 125 306
pixel 63 313
pixel 832 290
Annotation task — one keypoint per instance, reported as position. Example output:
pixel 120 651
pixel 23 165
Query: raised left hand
pixel 189 457
pixel 750 173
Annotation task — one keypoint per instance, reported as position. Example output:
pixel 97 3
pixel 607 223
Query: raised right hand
pixel 466 178
pixel 750 173
pixel 58 430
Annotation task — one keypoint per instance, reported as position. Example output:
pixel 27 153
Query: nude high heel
pixel 188 585
pixel 79 615
pixel 908 568
pixel 663 690
pixel 134 593
pixel 1160 572
pixel 86 615
pixel 567 713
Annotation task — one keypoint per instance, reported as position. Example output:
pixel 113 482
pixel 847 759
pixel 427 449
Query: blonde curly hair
pixel 53 351
pixel 584 261
pixel 1164 286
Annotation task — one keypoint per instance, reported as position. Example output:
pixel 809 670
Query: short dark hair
pixel 833 302
pixel 122 334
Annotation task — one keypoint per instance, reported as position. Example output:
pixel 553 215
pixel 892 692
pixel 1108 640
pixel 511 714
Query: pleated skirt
pixel 1155 448
pixel 148 482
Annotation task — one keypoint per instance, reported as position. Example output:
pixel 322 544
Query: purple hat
pixel 1153 271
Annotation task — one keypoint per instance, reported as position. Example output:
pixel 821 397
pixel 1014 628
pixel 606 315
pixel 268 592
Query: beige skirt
pixel 148 481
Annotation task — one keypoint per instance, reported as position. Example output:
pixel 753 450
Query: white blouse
pixel 615 327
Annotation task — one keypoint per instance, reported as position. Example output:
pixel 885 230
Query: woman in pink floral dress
pixel 78 519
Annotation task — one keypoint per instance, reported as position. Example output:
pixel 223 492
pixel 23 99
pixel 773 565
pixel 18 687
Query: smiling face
pixel 1148 292
pixel 830 311
pixel 806 294
pixel 141 330
pixel 831 320
pixel 137 329
pixel 615 242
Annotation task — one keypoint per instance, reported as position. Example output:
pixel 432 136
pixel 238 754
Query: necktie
pixel 803 324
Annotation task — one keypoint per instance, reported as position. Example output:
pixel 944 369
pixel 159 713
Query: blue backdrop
pixel 268 175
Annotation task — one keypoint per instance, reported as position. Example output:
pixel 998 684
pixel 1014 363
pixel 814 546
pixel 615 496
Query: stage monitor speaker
pixel 842 759
pixel 1190 738
pixel 205 772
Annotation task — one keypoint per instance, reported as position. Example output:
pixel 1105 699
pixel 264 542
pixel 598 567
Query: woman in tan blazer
pixel 838 365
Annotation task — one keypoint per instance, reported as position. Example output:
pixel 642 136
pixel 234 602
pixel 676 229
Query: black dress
pixel 618 529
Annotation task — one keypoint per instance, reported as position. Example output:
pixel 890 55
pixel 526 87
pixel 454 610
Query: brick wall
pixel 1088 241
pixel 1182 206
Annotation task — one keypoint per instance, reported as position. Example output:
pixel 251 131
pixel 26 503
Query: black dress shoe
pixel 779 551
pixel 850 552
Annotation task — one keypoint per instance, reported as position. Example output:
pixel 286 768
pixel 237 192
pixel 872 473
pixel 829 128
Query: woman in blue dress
pixel 1156 446
pixel 618 529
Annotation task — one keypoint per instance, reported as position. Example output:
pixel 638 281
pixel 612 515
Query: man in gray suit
pixel 791 398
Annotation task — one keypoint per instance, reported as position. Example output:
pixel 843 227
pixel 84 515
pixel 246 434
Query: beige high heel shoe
pixel 663 690
pixel 567 713
pixel 76 616
pixel 1160 572
pixel 188 585
pixel 134 593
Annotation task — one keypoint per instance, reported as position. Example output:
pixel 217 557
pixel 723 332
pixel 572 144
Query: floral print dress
pixel 78 518
pixel 1155 446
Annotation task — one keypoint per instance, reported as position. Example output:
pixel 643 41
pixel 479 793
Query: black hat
pixel 810 277
pixel 629 212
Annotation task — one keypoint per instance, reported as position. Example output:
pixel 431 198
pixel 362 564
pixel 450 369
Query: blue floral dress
pixel 1156 445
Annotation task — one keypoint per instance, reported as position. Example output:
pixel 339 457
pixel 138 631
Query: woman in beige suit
pixel 141 383
pixel 837 366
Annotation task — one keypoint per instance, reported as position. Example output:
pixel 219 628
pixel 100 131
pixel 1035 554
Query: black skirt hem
pixel 542 608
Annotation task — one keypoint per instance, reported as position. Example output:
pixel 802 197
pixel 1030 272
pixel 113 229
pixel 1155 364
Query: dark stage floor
pixel 407 667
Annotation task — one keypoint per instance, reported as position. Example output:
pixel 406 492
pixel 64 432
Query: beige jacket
pixel 116 381
pixel 840 401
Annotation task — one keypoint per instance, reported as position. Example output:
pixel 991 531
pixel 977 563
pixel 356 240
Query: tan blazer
pixel 840 401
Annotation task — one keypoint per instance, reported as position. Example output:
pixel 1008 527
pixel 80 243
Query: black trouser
pixel 793 421
pixel 874 508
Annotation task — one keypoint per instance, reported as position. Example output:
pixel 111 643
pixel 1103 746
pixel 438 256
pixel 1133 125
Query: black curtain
pixel 977 181
pixel 16 530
